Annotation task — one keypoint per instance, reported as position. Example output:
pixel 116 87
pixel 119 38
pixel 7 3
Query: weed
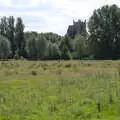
pixel 34 73
pixel 64 90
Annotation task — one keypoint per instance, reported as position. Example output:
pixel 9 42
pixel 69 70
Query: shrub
pixel 34 73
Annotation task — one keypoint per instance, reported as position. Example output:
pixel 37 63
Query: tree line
pixel 99 38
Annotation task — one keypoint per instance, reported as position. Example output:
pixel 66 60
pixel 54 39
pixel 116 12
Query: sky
pixel 51 15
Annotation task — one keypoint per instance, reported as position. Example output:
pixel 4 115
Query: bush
pixel 34 73
pixel 5 48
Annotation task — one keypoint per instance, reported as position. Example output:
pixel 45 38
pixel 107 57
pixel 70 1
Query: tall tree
pixel 41 45
pixel 31 48
pixel 3 26
pixel 19 37
pixel 64 48
pixel 53 51
pixel 11 33
pixel 104 28
pixel 80 46
pixel 5 48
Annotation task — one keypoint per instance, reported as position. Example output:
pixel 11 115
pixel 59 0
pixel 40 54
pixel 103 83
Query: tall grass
pixel 69 90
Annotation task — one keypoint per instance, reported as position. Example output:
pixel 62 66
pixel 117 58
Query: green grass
pixel 60 90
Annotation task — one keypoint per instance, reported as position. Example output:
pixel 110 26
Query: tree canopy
pixel 104 28
pixel 98 38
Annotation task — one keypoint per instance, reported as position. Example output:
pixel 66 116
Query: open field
pixel 60 90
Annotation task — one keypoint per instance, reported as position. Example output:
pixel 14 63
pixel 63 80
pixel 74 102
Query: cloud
pixel 51 15
pixel 5 2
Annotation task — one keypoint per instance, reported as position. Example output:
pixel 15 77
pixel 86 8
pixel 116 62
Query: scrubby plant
pixel 5 48
pixel 34 72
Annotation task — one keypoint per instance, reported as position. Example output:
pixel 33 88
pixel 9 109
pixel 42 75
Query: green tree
pixel 31 48
pixel 19 37
pixel 104 28
pixel 3 26
pixel 64 48
pixel 52 37
pixel 41 45
pixel 80 46
pixel 53 51
pixel 11 33
pixel 5 48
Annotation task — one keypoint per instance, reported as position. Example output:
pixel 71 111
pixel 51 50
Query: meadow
pixel 59 90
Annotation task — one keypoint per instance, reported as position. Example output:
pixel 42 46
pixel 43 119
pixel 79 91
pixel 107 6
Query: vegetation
pixel 102 41
pixel 105 32
pixel 60 90
pixel 5 48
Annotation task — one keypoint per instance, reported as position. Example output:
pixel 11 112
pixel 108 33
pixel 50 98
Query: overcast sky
pixel 51 15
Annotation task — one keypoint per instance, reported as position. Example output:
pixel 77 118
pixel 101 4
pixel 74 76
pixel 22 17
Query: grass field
pixel 60 90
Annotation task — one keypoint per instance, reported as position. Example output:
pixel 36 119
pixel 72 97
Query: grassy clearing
pixel 60 90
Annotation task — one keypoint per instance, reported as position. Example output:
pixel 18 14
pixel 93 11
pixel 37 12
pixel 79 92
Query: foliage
pixel 53 51
pixel 11 34
pixel 41 45
pixel 3 26
pixel 19 37
pixel 80 45
pixel 5 48
pixel 31 48
pixel 104 27
pixel 102 41
pixel 52 37
pixel 64 48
